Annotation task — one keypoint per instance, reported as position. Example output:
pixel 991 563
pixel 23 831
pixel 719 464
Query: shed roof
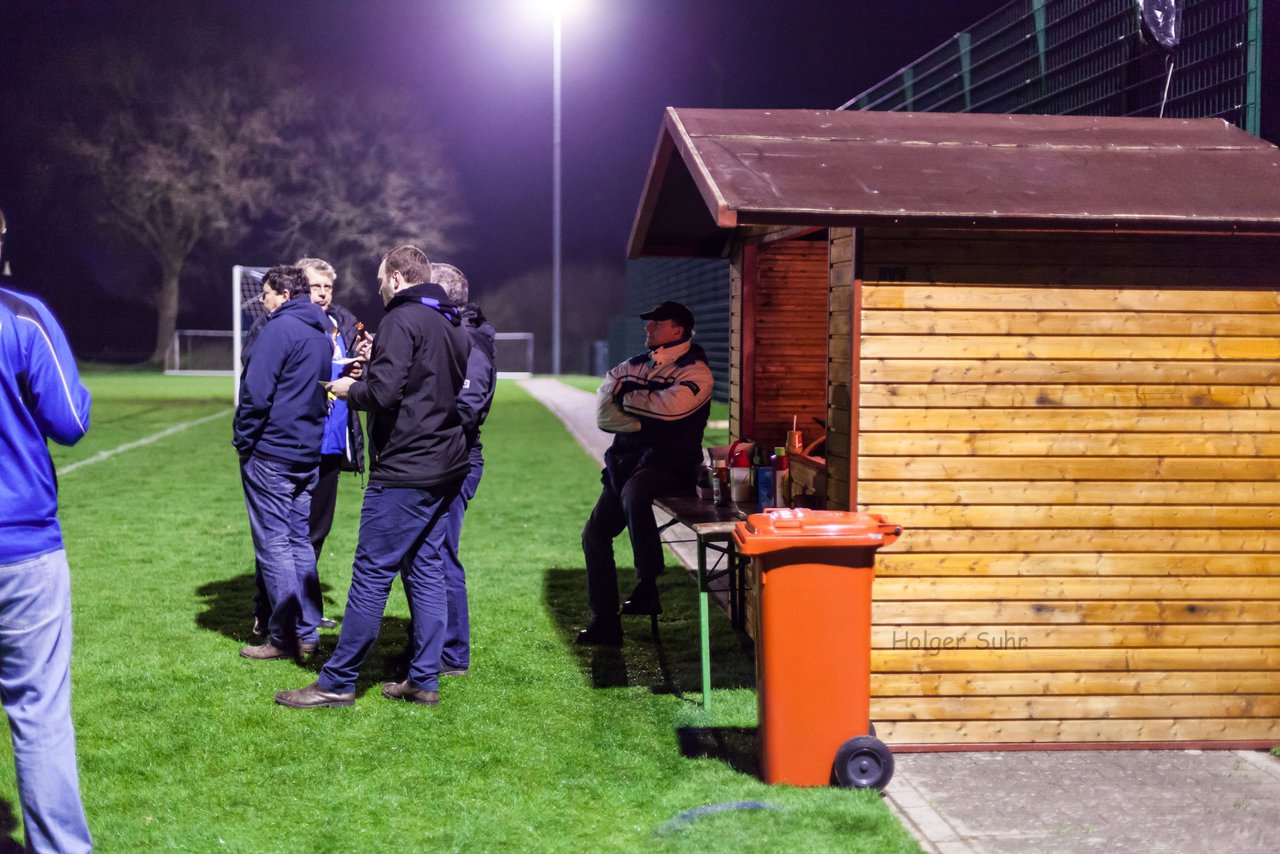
pixel 836 168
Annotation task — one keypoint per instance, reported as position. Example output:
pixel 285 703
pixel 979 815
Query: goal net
pixel 246 309
pixel 206 352
pixel 514 356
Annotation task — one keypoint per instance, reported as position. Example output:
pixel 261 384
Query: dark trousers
pixel 277 495
pixel 324 499
pixel 402 529
pixel 632 509
pixel 456 654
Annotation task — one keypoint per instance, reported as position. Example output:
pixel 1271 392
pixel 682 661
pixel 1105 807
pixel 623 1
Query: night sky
pixel 481 71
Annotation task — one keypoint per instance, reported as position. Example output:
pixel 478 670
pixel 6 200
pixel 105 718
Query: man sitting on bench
pixel 656 405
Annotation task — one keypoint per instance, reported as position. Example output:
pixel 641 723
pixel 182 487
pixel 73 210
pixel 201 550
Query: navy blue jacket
pixel 40 398
pixel 282 402
pixel 477 390
pixel 410 390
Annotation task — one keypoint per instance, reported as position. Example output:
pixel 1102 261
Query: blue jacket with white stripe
pixel 41 398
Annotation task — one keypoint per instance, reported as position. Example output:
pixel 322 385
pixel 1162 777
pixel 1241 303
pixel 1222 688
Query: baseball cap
pixel 671 311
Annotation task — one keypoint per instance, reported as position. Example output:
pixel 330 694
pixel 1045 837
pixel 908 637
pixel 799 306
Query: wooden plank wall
pixel 778 369
pixel 1081 435
pixel 789 342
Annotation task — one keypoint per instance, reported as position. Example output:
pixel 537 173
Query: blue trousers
pixel 277 495
pixel 35 686
pixel 402 529
pixel 456 654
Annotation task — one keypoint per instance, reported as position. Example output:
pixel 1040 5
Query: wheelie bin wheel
pixel 864 762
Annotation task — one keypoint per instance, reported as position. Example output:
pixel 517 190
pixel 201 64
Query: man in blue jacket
pixel 279 425
pixel 41 398
pixel 473 405
pixel 418 461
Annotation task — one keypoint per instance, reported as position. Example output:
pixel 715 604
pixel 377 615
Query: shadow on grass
pixel 669 663
pixel 9 843
pixel 229 611
pixel 737 747
pixel 229 606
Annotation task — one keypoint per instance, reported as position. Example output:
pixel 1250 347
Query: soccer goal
pixel 246 308
pixel 201 352
pixel 514 355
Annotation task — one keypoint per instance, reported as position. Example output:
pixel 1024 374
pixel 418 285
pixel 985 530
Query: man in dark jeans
pixel 656 405
pixel 418 461
pixel 473 406
pixel 343 445
pixel 278 426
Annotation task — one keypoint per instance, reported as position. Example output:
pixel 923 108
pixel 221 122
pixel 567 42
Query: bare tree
pixel 212 152
pixel 177 162
pixel 357 178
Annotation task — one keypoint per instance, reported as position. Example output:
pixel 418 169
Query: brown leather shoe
pixel 264 652
pixel 314 697
pixel 403 691
pixel 306 651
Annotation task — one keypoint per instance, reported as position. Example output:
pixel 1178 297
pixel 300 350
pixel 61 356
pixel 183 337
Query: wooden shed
pixel 1049 347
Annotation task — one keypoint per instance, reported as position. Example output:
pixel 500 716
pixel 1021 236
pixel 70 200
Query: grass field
pixel 543 747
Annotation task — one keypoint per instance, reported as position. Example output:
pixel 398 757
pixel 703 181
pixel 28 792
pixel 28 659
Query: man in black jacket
pixel 473 406
pixel 278 424
pixel 419 458
pixel 343 445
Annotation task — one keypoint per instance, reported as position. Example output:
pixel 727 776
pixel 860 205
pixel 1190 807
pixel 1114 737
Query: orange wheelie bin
pixel 813 644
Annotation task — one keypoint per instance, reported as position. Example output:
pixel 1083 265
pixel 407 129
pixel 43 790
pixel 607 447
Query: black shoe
pixel 601 633
pixel 643 600
pixel 326 623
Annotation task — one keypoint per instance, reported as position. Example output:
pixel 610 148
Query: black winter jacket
pixel 282 402
pixel 477 390
pixel 410 391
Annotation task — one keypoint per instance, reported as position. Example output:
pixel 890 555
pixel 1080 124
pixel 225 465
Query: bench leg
pixel 704 619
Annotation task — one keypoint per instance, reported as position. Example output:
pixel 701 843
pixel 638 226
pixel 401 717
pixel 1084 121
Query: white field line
pixel 146 440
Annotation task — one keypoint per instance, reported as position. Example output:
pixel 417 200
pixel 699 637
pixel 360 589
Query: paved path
pixel 1051 802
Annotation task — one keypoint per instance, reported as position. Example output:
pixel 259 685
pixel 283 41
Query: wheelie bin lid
pixel 774 530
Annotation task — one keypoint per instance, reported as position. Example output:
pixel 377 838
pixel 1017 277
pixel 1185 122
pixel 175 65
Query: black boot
pixel 603 631
pixel 643 599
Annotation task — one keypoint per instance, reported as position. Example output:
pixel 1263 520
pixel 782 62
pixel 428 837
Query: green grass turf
pixel 544 746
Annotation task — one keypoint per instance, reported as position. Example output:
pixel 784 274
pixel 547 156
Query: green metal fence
pixel 1086 57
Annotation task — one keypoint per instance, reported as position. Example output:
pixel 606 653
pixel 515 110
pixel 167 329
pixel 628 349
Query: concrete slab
pixel 1051 802
pixel 1073 801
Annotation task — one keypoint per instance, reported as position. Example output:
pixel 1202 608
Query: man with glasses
pixel 41 398
pixel 343 445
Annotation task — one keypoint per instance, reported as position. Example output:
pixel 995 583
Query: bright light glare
pixel 563 8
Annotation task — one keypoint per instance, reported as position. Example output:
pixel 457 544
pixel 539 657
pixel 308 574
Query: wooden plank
pixel 1068 468
pixel 1211 252
pixel 1154 612
pixel 1042 660
pixel 1249 493
pixel 1066 683
pixel 951 321
pixel 923 541
pixel 1088 564
pixel 1046 588
pixel 1006 516
pixel 914 419
pixel 968 395
pixel 1012 708
pixel 1073 444
pixel 1082 274
pixel 1076 636
pixel 1095 730
pixel 1125 347
pixel 1045 371
pixel 969 296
